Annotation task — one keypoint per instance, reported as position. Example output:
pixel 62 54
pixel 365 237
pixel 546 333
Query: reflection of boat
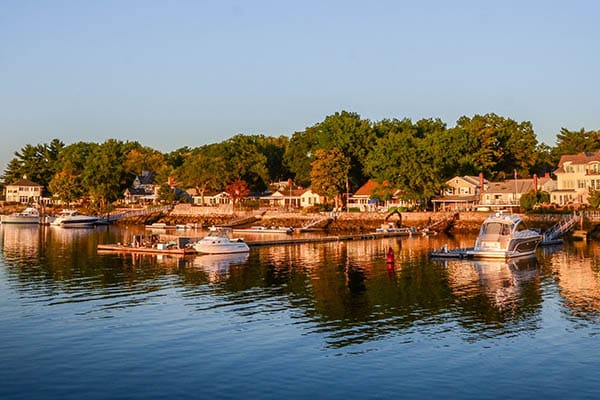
pixel 220 261
pixel 30 215
pixel 217 266
pixel 504 236
pixel 72 219
pixel 265 229
pixel 219 241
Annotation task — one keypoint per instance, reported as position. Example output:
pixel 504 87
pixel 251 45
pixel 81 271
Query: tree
pixel 203 173
pixel 329 174
pixel 594 198
pixel 243 160
pixel 404 158
pixel 104 174
pixel 65 186
pixel 142 159
pixel 530 199
pixel 237 190
pixel 38 163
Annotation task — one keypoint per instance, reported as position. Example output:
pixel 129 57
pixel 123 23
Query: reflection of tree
pixel 339 290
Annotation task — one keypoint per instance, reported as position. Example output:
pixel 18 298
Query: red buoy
pixel 390 256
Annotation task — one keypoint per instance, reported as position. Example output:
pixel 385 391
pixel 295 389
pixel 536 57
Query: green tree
pixel 104 173
pixel 530 199
pixel 203 173
pixel 244 160
pixel 594 198
pixel 329 174
pixel 404 157
pixel 38 163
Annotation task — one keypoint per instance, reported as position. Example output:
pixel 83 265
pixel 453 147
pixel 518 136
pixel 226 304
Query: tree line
pixel 333 156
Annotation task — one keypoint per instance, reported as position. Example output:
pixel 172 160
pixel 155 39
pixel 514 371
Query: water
pixel 293 322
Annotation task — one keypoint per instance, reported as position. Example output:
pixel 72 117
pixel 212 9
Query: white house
pixel 24 191
pixel 575 176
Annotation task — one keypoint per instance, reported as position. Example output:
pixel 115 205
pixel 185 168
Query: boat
pixel 265 229
pixel 219 241
pixel 391 227
pixel 72 219
pixel 504 236
pixel 30 215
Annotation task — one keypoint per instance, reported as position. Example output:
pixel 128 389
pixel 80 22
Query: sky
pixel 170 74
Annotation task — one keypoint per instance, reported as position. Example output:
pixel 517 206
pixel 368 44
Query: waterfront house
pixel 24 191
pixel 575 176
pixel 507 194
pixel 143 189
pixel 375 196
pixel 213 199
pixel 462 193
pixel 293 198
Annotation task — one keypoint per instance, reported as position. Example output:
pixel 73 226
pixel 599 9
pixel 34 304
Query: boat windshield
pixel 496 228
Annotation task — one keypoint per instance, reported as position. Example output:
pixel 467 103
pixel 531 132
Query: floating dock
pixel 117 248
pixel 120 248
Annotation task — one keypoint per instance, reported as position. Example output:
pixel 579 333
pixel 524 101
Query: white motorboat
pixel 504 236
pixel 72 219
pixel 30 215
pixel 219 241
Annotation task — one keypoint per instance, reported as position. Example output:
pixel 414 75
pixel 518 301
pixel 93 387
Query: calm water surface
pixel 293 322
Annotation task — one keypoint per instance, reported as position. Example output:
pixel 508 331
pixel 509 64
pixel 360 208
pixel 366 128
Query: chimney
pixel 547 175
pixel 535 183
pixel 480 186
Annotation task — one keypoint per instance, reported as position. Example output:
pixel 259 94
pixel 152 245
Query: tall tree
pixel 38 163
pixel 329 174
pixel 203 173
pixel 104 174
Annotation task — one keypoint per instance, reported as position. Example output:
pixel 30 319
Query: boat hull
pixel 221 248
pixel 522 247
pixel 10 219
pixel 68 223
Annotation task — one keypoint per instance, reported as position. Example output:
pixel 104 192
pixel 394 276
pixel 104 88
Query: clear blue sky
pixel 185 73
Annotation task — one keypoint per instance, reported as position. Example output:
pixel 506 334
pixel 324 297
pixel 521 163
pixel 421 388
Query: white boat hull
pixel 13 219
pixel 221 248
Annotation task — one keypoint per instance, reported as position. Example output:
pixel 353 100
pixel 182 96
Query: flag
pixel 515 174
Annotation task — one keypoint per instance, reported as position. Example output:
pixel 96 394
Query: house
pixel 24 191
pixel 462 193
pixel 293 198
pixel 363 199
pixel 575 176
pixel 370 197
pixel 143 189
pixel 213 199
pixel 508 193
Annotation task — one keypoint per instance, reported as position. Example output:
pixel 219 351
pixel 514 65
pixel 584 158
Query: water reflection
pixel 343 291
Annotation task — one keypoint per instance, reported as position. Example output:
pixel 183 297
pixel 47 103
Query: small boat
pixel 265 229
pixel 504 236
pixel 219 241
pixel 72 219
pixel 30 215
pixel 391 227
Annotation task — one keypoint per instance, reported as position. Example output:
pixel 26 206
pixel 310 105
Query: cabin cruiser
pixel 219 241
pixel 72 219
pixel 504 236
pixel 30 215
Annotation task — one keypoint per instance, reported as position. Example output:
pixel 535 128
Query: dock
pixel 183 250
pixel 119 248
pixel 324 239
